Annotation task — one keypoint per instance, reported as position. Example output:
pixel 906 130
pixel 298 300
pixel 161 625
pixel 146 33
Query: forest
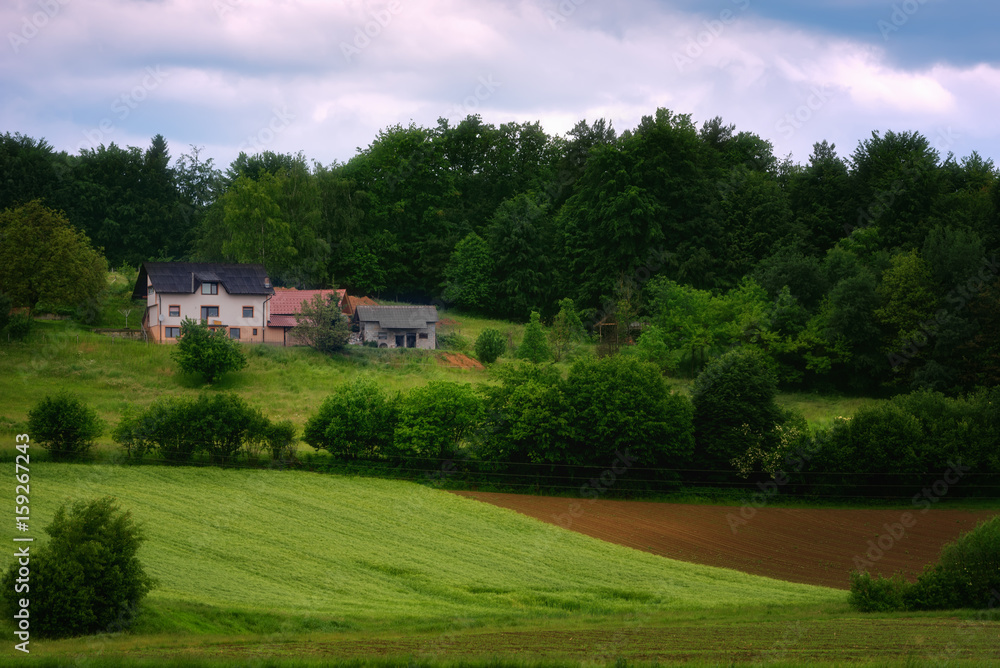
pixel 872 272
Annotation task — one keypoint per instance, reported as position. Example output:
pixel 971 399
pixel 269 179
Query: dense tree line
pixel 872 270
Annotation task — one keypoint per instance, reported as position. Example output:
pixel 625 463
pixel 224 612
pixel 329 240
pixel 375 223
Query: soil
pixel 459 360
pixel 810 545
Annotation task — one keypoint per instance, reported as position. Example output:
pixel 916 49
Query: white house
pixel 233 297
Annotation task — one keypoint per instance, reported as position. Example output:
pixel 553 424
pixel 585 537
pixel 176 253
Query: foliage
pixel 434 420
pixel 43 258
pixel 357 422
pixel 469 274
pixel 18 327
pixel 967 575
pixel 877 594
pixel 64 425
pixel 210 353
pixel 620 404
pixel 322 325
pixel 452 341
pixel 567 329
pixel 88 578
pixel 281 439
pixel 734 408
pixel 490 345
pixel 534 346
pixel 223 426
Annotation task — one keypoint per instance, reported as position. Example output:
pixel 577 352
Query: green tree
pixel 490 345
pixel 254 228
pixel 44 259
pixel 469 275
pixel 567 329
pixel 734 409
pixel 907 296
pixel 322 325
pixel 534 346
pixel 357 422
pixel 436 418
pixel 207 352
pixel 64 425
pixel 620 404
pixel 87 578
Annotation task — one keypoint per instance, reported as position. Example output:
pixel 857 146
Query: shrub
pixel 534 346
pixel 209 353
pixel 64 425
pixel 322 325
pixel 619 403
pixel 18 327
pixel 434 419
pixel 967 575
pixel 567 329
pixel 490 345
pixel 358 422
pixel 281 440
pixel 224 426
pixel 876 594
pixel 87 578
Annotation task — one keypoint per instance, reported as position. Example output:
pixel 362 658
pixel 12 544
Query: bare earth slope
pixel 812 546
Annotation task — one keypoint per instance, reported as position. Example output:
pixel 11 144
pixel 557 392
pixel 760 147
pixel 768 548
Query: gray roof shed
pixel 397 317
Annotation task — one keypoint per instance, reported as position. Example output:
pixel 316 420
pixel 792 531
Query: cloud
pixel 338 72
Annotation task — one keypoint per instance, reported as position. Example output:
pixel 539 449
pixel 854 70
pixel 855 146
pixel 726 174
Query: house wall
pixel 230 313
pixel 370 332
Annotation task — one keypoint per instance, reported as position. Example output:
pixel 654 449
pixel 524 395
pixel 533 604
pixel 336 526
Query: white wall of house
pixel 189 305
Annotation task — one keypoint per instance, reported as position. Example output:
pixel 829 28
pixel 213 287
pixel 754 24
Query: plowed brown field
pixel 812 546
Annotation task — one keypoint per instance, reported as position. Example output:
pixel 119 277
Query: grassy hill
pixel 366 553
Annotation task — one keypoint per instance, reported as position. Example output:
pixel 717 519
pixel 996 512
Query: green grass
pixel 370 552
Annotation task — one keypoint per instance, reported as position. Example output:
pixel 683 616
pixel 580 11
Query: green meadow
pixel 289 568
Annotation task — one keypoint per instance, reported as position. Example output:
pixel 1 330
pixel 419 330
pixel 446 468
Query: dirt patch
pixel 448 322
pixel 812 546
pixel 459 361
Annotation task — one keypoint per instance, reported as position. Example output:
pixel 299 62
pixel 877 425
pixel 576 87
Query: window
pixel 248 311
pixel 173 332
pixel 422 335
pixel 209 312
pixel 209 288
pixel 255 331
pixel 383 336
pixel 234 333
pixel 175 311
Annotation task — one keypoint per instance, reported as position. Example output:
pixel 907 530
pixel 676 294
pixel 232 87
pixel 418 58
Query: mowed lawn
pixel 371 552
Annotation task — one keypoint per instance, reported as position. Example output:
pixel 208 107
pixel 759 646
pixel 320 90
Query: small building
pixel 231 297
pixel 397 326
pixel 284 310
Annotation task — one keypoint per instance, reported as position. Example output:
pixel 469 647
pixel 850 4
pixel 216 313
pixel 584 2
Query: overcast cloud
pixel 324 77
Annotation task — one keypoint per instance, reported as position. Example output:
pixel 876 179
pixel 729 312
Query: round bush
pixel 64 425
pixel 490 345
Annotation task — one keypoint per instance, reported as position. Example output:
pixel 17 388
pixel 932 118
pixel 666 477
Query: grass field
pixel 276 568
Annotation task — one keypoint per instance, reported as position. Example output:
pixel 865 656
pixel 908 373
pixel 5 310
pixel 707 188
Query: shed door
pixel 411 340
pixel 399 340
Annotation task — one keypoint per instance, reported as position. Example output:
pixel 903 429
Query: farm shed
pixel 397 326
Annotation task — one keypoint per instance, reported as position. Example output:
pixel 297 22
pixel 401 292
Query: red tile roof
pixel 287 301
pixel 350 303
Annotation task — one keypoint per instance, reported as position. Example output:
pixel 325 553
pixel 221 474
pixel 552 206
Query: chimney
pixel 267 282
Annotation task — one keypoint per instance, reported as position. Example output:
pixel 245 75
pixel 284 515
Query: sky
pixel 324 77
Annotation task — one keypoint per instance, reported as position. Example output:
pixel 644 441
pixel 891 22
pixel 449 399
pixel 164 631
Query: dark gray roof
pixel 187 277
pixel 397 317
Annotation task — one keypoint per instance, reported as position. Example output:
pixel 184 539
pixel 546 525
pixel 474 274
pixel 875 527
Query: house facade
pixel 231 297
pixel 284 309
pixel 397 326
